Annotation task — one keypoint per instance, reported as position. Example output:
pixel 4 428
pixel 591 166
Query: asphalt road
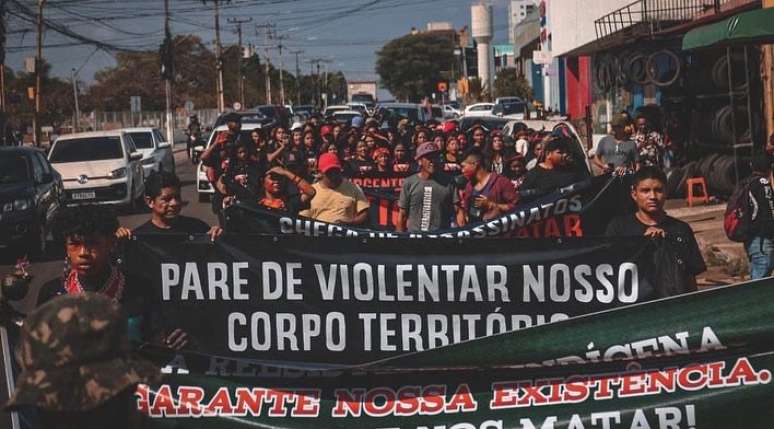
pixel 50 266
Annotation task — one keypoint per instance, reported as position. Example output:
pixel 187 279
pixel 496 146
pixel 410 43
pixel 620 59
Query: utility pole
pixel 77 114
pixel 298 74
pixel 38 77
pixel 267 31
pixel 282 80
pixel 238 22
pixel 167 75
pixel 219 58
pixel 3 119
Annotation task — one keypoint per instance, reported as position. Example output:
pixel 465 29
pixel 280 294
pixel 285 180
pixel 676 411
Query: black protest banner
pixel 580 210
pixel 343 301
pixel 701 360
pixel 382 192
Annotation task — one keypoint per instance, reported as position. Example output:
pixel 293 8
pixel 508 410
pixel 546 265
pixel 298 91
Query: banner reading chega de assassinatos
pixel 701 360
pixel 580 210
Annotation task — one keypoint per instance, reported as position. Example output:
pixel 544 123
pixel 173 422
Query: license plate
pixel 84 195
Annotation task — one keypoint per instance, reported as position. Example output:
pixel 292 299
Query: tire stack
pixel 717 169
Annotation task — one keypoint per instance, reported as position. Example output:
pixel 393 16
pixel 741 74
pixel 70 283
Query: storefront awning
pixel 755 26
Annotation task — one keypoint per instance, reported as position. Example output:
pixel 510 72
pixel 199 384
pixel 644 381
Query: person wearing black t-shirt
pixel 650 220
pixel 162 194
pixel 555 171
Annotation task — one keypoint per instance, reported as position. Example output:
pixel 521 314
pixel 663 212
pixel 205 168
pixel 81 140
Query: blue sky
pixel 348 32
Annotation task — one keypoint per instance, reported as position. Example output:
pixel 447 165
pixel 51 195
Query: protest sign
pixel 580 210
pixel 345 301
pixel 672 363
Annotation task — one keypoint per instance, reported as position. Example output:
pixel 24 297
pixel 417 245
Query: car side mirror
pixel 135 156
pixel 164 145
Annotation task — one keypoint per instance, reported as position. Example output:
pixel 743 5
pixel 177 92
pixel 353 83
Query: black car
pixel 31 192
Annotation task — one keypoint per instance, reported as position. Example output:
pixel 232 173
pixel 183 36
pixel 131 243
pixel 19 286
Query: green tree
pixel 509 83
pixel 56 94
pixel 411 66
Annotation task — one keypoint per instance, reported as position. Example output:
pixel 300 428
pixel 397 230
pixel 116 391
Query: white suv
pixel 156 151
pixel 101 167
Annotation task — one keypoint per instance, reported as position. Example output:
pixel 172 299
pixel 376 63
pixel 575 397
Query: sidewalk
pixel 726 260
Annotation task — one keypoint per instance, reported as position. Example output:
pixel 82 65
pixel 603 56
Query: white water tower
pixel 482 31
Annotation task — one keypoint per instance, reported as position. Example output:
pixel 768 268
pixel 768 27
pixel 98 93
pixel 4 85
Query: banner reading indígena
pixel 673 363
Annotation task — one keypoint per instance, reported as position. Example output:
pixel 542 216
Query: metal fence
pixel 657 14
pixel 100 120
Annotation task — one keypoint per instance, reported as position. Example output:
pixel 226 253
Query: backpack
pixel 737 221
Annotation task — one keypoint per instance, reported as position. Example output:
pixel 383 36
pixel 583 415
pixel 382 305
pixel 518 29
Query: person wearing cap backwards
pixel 77 368
pixel 428 199
pixel 336 199
pixel 616 152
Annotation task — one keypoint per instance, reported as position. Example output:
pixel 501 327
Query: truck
pixel 362 92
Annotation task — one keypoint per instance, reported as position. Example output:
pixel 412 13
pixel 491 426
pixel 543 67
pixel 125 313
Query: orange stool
pixel 702 184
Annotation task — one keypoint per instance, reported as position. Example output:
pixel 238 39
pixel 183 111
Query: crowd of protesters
pixel 453 177
pixel 306 170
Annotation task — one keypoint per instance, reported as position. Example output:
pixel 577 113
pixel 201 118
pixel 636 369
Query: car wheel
pixel 204 198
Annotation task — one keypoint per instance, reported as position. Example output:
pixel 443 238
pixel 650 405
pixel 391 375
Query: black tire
pixel 720 72
pixel 204 198
pixel 655 75
pixel 674 176
pixel 636 68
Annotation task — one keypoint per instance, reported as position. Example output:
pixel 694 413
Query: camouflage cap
pixel 75 355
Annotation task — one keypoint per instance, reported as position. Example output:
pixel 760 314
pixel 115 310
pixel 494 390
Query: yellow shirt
pixel 339 205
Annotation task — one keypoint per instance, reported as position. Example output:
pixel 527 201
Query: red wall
pixel 578 79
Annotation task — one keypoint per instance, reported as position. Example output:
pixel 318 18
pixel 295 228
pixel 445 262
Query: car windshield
pixel 87 149
pixel 405 112
pixel 510 108
pixel 362 97
pixel 13 168
pixel 345 117
pixel 142 140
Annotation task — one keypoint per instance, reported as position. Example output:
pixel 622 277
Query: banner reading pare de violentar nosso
pixel 337 301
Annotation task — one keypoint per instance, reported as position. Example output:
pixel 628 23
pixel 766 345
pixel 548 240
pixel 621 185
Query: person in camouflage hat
pixel 77 369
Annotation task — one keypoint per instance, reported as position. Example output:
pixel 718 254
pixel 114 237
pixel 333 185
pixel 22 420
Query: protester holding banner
pixel 555 171
pixel 649 194
pixel 77 369
pixel 336 199
pixel 163 198
pixel 428 199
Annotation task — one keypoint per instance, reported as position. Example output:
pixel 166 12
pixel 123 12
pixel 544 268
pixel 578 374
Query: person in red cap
pixel 336 199
pixel 428 199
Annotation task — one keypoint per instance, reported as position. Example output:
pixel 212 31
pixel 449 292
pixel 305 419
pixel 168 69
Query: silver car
pixel 156 151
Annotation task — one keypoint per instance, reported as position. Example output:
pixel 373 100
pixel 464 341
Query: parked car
pixel 204 188
pixel 99 167
pixel 346 116
pixel 330 109
pixel 450 112
pixel 30 195
pixel 512 107
pixel 545 126
pixel 156 151
pixel 479 109
pixel 397 111
pixel 360 107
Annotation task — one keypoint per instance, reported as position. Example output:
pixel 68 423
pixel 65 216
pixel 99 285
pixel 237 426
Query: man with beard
pixel 428 199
